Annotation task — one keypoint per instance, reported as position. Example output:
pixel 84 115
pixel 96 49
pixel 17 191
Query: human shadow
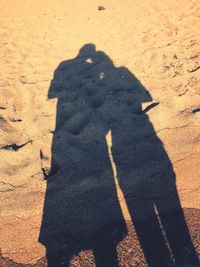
pixel 81 208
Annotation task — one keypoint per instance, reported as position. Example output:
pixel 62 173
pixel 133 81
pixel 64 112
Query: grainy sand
pixel 157 41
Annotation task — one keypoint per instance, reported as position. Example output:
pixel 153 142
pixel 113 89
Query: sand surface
pixel 155 43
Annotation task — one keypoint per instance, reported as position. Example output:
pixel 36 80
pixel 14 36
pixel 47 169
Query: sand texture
pixel 99 133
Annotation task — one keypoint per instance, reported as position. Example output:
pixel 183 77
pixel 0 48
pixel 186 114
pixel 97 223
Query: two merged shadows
pixel 81 208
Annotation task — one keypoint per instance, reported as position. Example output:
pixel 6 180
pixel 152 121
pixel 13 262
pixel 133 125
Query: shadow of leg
pixel 151 238
pixel 60 259
pixel 178 238
pixel 105 253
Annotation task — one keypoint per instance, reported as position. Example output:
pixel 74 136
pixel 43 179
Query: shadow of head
pixel 93 75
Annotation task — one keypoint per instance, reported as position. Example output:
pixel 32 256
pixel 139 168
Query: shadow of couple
pixel 81 208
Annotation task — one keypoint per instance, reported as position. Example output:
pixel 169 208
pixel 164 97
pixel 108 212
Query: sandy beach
pixel 99 123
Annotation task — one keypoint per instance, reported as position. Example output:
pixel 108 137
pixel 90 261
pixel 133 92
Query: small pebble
pixel 100 8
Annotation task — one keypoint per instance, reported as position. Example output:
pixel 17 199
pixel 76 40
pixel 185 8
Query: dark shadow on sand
pixel 81 208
